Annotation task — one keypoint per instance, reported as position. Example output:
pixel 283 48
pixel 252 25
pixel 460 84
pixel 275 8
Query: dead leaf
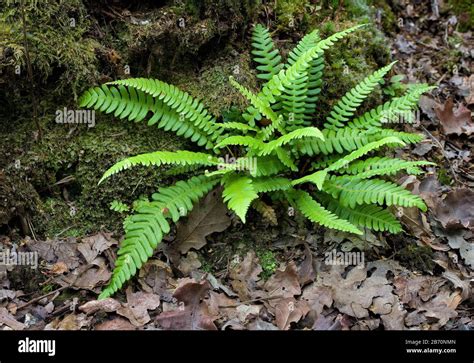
pixel 455 121
pixel 245 275
pixel 70 322
pixel 208 217
pixel 192 313
pixel 457 209
pixel 115 324
pixel 92 246
pixel 189 263
pixel 317 297
pixel 289 311
pixel 59 268
pixel 284 283
pixel 58 251
pixel 108 305
pixel 306 273
pixel 8 319
pixel 137 306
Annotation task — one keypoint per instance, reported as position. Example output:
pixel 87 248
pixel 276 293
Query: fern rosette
pixel 346 188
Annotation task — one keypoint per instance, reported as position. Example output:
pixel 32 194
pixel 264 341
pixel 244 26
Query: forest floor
pixel 265 277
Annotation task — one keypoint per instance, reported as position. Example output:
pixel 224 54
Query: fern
pixel 269 160
pixel 239 193
pixel 345 108
pixel 145 229
pixel 266 54
pixel 159 158
pixel 352 192
pixel 370 216
pixel 315 212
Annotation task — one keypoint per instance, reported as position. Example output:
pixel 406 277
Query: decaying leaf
pixel 137 306
pixel 455 121
pixel 208 217
pixel 245 275
pixel 289 311
pixel 9 320
pixel 108 305
pixel 457 209
pixel 192 313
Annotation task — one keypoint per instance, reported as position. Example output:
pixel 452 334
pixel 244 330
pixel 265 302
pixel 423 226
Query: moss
pixel 416 257
pixel 465 11
pixel 268 262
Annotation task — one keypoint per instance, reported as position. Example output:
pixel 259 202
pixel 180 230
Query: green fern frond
pixel 266 53
pixel 348 104
pixel 368 168
pixel 251 142
pixel 352 192
pixel 303 95
pixel 269 165
pixel 159 158
pixel 238 193
pixel 340 141
pixel 181 102
pixel 145 229
pixel 391 110
pixel 369 216
pixel 315 212
pixel 260 103
pixel 134 105
pixel 319 177
pixel 312 132
pixel 237 126
pixel 277 84
pixel 270 184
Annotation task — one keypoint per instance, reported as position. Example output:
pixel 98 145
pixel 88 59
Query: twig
pixel 251 301
pixel 43 296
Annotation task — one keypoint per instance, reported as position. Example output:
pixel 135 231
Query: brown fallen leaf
pixel 137 306
pixel 108 305
pixel 284 283
pixel 457 209
pixel 289 311
pixel 92 246
pixel 208 217
pixel 59 268
pixel 192 313
pixel 8 319
pixel 317 297
pixel 115 324
pixel 306 273
pixel 189 263
pixel 70 322
pixel 455 121
pixel 245 275
pixel 157 277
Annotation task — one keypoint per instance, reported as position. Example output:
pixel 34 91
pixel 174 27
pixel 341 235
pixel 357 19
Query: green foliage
pixel 119 206
pixel 269 158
